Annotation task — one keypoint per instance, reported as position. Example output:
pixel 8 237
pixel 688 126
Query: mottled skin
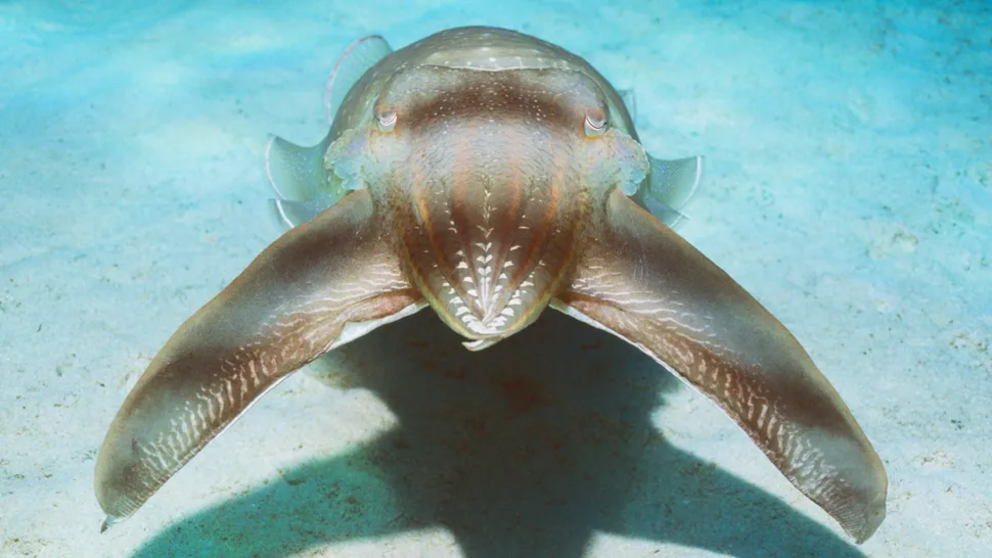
pixel 489 171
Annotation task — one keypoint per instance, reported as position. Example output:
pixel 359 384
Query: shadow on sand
pixel 524 449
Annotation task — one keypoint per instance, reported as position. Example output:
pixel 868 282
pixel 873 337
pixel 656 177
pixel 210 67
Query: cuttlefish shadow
pixel 524 449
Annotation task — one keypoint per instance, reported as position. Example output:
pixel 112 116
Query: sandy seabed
pixel 849 188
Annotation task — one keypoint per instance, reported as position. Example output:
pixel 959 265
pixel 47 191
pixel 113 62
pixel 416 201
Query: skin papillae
pixel 489 171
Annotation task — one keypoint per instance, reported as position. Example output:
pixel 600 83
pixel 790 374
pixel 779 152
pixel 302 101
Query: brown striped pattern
pixel 646 284
pixel 492 201
pixel 296 301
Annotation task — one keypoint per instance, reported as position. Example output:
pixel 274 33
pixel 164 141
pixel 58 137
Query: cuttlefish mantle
pixel 488 175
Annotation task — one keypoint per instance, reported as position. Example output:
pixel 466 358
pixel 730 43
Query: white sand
pixel 849 188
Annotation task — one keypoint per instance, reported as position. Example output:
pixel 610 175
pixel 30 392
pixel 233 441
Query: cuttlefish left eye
pixel 385 118
pixel 595 124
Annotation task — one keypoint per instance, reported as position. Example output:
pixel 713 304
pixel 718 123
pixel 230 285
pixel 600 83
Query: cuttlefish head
pixel 490 177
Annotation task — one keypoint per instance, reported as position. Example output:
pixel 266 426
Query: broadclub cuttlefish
pixel 489 175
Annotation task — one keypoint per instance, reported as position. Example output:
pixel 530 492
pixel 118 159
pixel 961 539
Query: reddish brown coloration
pixel 493 172
pixel 493 215
pixel 696 320
pixel 287 308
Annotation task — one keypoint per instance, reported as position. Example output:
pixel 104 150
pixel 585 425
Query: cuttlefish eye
pixel 595 124
pixel 385 118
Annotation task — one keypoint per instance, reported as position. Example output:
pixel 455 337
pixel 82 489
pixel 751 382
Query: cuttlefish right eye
pixel 595 123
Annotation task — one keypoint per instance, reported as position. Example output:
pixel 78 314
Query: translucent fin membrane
pixel 351 65
pixel 671 186
pixel 295 172
pixel 290 213
pixel 627 95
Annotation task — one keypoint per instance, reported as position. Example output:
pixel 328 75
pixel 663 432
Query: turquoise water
pixel 848 187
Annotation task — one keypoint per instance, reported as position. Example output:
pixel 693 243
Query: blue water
pixel 848 187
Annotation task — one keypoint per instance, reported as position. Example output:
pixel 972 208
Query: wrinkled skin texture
pixel 487 173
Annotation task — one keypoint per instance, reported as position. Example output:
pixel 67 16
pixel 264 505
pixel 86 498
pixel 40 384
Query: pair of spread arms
pixel 489 175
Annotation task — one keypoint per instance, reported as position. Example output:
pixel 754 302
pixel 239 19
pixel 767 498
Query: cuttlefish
pixel 488 175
